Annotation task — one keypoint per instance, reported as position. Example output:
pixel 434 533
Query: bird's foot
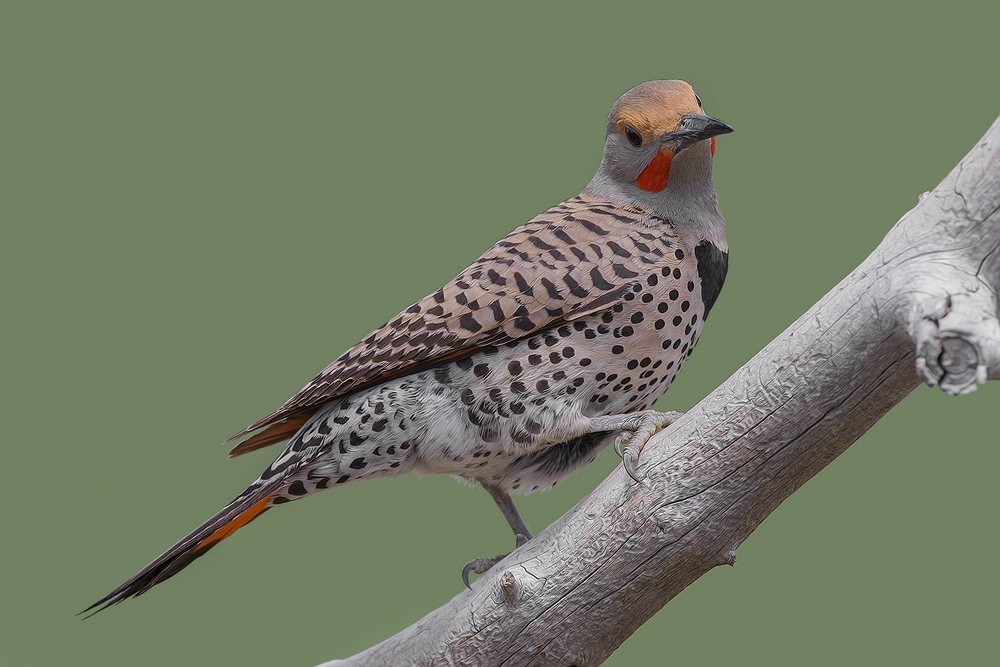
pixel 479 566
pixel 482 565
pixel 633 432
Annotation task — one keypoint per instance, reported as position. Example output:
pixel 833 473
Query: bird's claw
pixel 479 566
pixel 629 454
pixel 624 436
pixel 629 458
pixel 635 439
pixel 482 565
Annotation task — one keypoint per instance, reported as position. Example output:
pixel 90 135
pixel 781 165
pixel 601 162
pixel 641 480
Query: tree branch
pixel 575 592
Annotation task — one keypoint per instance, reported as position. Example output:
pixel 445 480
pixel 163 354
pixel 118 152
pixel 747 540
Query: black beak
pixel 695 127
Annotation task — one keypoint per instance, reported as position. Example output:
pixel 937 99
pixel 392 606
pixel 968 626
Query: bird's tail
pixel 247 506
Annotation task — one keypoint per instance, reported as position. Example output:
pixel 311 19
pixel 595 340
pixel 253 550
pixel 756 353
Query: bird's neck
pixel 688 200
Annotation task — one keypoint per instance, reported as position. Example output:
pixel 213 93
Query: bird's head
pixel 655 131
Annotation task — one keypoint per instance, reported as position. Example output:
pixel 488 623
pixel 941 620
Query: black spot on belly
pixel 467 396
pixel 517 435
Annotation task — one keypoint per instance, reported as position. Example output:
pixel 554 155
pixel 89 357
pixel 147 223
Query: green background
pixel 203 204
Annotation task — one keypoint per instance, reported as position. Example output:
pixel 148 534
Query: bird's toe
pixel 479 566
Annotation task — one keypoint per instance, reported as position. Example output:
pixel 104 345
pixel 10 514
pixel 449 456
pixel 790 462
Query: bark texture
pixel 922 306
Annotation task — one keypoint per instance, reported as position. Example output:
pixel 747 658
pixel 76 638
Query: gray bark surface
pixel 922 306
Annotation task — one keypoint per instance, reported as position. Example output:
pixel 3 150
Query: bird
pixel 549 348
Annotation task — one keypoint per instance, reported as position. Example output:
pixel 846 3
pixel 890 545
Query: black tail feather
pixel 247 506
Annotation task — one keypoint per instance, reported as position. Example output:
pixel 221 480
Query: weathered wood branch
pixel 923 305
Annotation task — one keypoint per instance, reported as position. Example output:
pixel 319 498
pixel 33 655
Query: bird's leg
pixel 506 505
pixel 634 429
pixel 521 532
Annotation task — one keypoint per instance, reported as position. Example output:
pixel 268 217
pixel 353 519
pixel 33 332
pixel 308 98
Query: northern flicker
pixel 548 348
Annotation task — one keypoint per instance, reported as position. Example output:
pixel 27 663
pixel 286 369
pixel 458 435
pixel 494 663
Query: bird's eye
pixel 633 136
pixel 700 105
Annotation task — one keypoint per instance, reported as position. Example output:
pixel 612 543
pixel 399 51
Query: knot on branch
pixel 955 342
pixel 510 588
pixel 951 363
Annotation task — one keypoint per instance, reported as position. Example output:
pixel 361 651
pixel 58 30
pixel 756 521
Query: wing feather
pixel 577 258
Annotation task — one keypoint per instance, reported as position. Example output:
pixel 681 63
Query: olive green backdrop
pixel 203 204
